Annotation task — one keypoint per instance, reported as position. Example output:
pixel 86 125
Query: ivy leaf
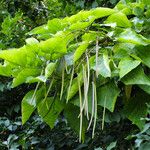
pixel 49 69
pixel 29 103
pixel 130 36
pixel 120 19
pixel 80 50
pixel 136 76
pixel 107 95
pixel 49 109
pixel 144 53
pixel 136 108
pixel 126 65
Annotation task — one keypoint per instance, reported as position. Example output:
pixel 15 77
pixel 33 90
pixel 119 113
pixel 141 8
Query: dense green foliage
pixel 86 67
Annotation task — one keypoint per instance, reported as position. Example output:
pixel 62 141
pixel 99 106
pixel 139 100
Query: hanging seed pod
pixel 62 80
pixel 103 119
pixel 70 83
pixel 81 116
pixel 36 88
pixel 95 112
pixel 97 47
pixel 93 106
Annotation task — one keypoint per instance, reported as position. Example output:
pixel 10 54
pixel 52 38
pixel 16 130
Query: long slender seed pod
pixel 93 106
pixel 36 88
pixel 66 68
pixel 97 57
pixel 85 102
pixel 95 116
pixel 88 80
pixel 103 119
pixel 62 81
pixel 81 117
pixel 70 83
pixel 49 88
pixel 86 93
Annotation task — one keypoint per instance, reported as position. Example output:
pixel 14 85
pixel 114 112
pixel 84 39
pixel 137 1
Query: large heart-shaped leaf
pixel 30 102
pixel 136 76
pixel 107 95
pixel 49 109
pixel 126 65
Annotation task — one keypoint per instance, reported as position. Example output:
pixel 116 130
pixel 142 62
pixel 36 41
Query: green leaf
pixel 144 53
pixel 82 25
pixel 107 95
pixel 146 88
pixel 71 113
pixel 31 41
pixel 24 74
pixel 39 30
pixel 40 78
pixel 49 109
pixel 29 103
pixel 51 45
pixel 136 108
pixel 56 25
pixel 111 146
pixel 136 76
pixel 130 36
pixel 103 67
pixel 126 65
pixel 101 12
pixel 15 56
pixel 120 19
pixel 49 69
pixel 6 70
pixel 80 50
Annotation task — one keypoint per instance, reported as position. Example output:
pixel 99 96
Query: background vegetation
pixel 19 17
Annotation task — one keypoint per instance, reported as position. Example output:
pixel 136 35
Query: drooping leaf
pixel 6 70
pixel 126 65
pixel 136 108
pixel 29 103
pixel 31 41
pixel 130 36
pixel 49 109
pixel 32 79
pixel 15 56
pixel 80 50
pixel 49 69
pixel 81 25
pixel 136 76
pixel 146 88
pixel 51 45
pixel 71 113
pixel 107 95
pixel 120 19
pixel 144 53
pixel 24 74
pixel 102 12
pixel 103 67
